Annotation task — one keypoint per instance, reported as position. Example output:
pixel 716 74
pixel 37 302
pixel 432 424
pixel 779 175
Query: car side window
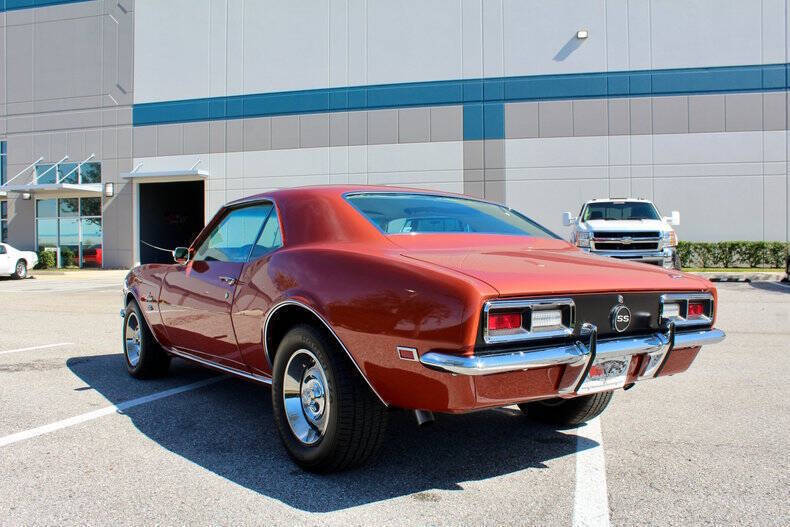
pixel 233 237
pixel 270 238
pixel 2 249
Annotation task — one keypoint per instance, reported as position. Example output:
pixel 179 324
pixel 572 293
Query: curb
pixel 741 277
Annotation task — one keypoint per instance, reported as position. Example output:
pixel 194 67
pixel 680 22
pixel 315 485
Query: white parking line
pixel 590 502
pixel 45 346
pixel 120 407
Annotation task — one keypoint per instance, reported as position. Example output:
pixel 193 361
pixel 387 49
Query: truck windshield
pixel 627 210
pixel 404 213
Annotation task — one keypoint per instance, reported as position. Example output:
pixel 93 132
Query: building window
pixel 72 229
pixel 3 203
pixel 74 173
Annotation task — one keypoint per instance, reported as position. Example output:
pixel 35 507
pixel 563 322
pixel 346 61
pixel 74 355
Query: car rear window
pixel 405 213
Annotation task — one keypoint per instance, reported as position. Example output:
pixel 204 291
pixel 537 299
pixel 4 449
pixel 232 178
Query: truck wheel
pixel 20 270
pixel 145 358
pixel 567 411
pixel 327 417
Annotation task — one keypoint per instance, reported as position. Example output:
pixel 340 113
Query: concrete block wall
pixel 66 88
pixel 684 102
pixel 542 155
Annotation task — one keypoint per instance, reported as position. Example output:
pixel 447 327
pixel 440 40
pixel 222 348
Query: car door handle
pixel 228 279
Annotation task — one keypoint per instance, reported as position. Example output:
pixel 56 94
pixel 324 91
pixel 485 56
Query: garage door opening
pixel 171 215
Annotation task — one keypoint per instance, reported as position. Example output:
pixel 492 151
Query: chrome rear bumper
pixel 580 353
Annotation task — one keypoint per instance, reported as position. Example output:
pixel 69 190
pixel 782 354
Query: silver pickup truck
pixel 629 229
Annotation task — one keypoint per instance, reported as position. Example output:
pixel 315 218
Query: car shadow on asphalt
pixel 228 429
pixel 774 287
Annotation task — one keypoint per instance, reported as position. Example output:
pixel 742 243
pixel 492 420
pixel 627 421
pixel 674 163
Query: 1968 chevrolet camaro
pixel 350 300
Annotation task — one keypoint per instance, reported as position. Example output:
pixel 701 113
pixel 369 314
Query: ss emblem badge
pixel 621 318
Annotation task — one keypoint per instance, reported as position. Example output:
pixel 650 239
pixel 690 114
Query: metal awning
pixel 187 174
pixel 56 190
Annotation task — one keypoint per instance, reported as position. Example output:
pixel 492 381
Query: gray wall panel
pixel 382 127
pixel 446 123
pixel 670 115
pixel 775 111
pixel 314 130
pixel 744 111
pixel 414 125
pixel 590 117
pixel 196 138
pixel 257 133
pixel 521 120
pixel 706 113
pixel 285 132
pixel 555 118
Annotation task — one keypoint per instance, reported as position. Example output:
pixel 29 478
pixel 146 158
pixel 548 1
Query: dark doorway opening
pixel 171 215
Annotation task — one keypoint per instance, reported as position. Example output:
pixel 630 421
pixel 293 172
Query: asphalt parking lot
pixel 82 442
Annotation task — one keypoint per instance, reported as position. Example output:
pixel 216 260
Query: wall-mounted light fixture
pixel 26 195
pixel 109 189
pixel 582 34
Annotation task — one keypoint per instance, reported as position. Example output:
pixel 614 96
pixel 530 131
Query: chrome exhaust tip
pixel 424 417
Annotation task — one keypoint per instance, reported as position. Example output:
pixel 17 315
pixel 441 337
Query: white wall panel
pixel 702 33
pixel 286 45
pixel 413 40
pixel 171 50
pixel 540 37
pixel 556 151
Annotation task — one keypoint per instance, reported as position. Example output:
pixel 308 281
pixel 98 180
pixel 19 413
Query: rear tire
pixel 567 411
pixel 144 357
pixel 327 417
pixel 20 270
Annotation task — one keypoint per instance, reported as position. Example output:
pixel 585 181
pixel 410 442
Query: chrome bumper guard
pixel 580 354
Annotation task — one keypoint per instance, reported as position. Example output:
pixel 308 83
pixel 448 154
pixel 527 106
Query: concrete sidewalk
pixel 742 276
pixel 78 274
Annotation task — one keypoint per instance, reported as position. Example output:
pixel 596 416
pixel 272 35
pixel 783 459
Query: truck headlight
pixel 669 239
pixel 583 239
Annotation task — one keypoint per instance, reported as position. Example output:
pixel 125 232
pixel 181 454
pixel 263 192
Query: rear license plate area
pixel 607 373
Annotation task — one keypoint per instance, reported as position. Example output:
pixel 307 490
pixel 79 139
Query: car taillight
pixel 546 319
pixel 503 321
pixel 696 309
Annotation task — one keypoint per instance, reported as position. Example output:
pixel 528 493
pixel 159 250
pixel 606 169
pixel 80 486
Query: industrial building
pixel 127 123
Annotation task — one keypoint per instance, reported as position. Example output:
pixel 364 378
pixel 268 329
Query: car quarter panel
pixel 145 285
pixel 374 301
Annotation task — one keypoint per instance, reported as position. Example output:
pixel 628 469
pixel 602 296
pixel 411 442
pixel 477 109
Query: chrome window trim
pixel 526 335
pixel 682 321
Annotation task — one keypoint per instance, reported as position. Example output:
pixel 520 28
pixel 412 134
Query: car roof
pixel 305 213
pixel 335 190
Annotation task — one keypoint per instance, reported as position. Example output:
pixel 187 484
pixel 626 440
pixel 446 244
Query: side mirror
pixel 567 219
pixel 181 255
pixel 674 219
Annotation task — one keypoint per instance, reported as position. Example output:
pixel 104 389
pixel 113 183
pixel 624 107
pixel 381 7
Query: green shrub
pixel 705 254
pixel 724 253
pixel 733 254
pixel 686 253
pixel 752 253
pixel 776 254
pixel 46 259
pixel 68 258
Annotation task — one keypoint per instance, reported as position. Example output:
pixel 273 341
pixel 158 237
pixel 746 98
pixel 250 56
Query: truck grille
pixel 626 241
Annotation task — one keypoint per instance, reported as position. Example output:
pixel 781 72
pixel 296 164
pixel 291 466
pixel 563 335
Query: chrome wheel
pixel 132 339
pixel 306 397
pixel 21 269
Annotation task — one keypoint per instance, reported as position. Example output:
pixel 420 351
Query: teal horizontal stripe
pixel 13 5
pixel 482 99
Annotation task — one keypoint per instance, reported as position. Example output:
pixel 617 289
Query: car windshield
pixel 403 213
pixel 623 210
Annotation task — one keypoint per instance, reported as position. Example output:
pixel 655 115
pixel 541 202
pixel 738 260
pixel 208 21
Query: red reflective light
pixel 497 321
pixel 696 309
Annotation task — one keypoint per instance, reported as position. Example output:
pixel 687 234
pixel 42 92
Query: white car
pixel 629 229
pixel 15 263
